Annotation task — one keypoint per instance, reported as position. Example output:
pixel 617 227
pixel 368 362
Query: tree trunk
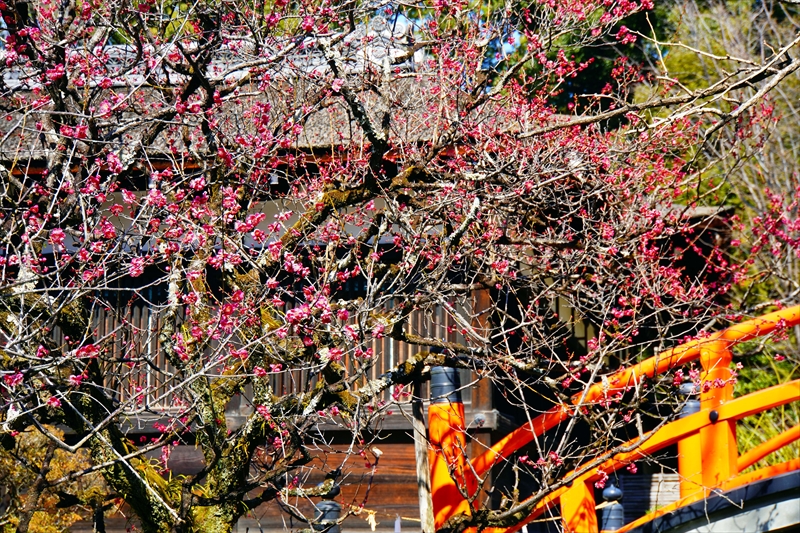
pixel 212 519
pixel 32 498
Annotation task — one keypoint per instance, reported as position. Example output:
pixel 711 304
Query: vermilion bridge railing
pixel 708 455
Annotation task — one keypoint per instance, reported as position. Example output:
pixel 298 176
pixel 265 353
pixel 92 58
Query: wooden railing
pixel 138 373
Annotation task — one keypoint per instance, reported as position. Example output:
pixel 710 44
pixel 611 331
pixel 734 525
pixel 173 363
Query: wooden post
pixel 423 468
pixel 448 447
pixel 578 512
pixel 717 441
pixel 690 460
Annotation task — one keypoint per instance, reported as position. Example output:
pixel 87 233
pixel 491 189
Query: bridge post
pixel 613 516
pixel 578 512
pixel 447 457
pixel 328 512
pixel 690 461
pixel 717 441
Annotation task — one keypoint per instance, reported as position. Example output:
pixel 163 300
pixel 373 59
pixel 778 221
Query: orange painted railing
pixel 712 431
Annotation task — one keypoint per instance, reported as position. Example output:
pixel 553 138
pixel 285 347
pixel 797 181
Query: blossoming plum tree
pixel 762 181
pixel 285 184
